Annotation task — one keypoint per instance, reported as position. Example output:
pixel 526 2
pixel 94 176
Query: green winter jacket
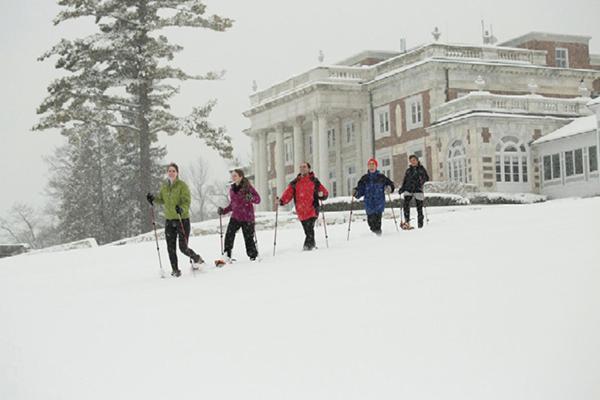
pixel 175 194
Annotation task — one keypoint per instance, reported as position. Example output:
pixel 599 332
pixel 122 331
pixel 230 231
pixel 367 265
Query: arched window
pixel 457 162
pixel 511 161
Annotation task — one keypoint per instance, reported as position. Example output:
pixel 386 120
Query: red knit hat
pixel 373 160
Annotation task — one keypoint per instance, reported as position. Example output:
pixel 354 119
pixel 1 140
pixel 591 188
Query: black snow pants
pixel 247 231
pixel 309 232
pixel 172 232
pixel 407 200
pixel 374 221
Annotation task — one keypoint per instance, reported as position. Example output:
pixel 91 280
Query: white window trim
pixel 561 171
pixel 331 139
pixel 520 156
pixel 385 154
pixel 457 163
pixel 583 163
pixel 408 103
pixel 352 177
pixel 345 132
pixel 589 161
pixel 288 149
pixel 556 50
pixel 382 129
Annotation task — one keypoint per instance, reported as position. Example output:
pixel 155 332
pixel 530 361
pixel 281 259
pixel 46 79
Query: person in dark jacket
pixel 175 197
pixel 373 186
pixel 307 192
pixel 412 186
pixel 242 198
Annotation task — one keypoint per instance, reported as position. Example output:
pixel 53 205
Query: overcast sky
pixel 270 41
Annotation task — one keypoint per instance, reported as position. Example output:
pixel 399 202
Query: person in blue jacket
pixel 373 186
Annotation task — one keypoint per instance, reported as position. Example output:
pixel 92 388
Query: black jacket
pixel 414 178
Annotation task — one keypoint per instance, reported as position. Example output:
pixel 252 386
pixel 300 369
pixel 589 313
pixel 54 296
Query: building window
pixel 349 128
pixel 331 138
pixel 414 112
pixel 569 166
pixel 551 167
pixel 511 161
pixel 350 179
pixel 562 57
pixel 457 162
pixel 574 162
pixel 382 116
pixel 547 168
pixel 289 152
pixel 385 163
pixel 593 158
pixel 333 183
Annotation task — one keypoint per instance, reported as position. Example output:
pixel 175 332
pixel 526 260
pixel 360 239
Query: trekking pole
pixel 221 232
pixel 350 220
pixel 276 217
pixel 393 213
pixel 425 207
pixel 186 243
pixel 325 227
pixel 401 211
pixel 162 272
pixel 255 238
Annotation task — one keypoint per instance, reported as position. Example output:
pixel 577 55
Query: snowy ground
pixel 490 302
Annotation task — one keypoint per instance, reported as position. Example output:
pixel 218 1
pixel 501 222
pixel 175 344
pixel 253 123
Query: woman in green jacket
pixel 175 197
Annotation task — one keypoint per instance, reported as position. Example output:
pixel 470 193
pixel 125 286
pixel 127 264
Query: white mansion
pixel 469 112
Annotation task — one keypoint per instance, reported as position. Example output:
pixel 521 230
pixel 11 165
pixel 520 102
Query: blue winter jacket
pixel 372 187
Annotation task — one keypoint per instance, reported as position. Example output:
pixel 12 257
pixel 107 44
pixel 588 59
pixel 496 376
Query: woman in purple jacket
pixel 242 198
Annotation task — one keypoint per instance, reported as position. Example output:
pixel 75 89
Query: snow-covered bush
pixel 449 187
pixel 505 198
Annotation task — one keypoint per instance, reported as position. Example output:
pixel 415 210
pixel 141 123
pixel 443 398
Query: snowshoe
pixel 406 226
pixel 225 260
pixel 197 265
pixel 176 273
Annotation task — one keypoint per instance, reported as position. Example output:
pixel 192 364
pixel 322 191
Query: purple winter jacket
pixel 241 208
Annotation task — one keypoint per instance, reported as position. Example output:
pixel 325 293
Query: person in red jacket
pixel 307 192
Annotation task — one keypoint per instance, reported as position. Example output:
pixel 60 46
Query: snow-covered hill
pixel 490 302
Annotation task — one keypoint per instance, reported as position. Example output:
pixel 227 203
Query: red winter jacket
pixel 304 191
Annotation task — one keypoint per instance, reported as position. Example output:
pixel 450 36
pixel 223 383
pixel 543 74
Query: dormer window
pixel 562 57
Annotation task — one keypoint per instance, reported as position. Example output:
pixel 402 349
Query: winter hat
pixel 373 160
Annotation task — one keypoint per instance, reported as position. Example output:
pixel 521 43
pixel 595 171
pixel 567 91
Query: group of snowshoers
pixel 305 190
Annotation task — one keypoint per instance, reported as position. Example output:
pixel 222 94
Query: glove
pixel 220 211
pixel 388 190
pixel 150 198
pixel 179 210
pixel 280 201
pixel 321 196
pixel 249 197
pixel 354 192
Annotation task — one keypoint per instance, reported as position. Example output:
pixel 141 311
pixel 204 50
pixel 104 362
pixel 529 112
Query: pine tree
pixel 121 78
pixel 92 185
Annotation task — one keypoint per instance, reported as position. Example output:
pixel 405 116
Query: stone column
pixel 315 143
pixel 279 159
pixel 359 134
pixel 323 158
pixel 338 155
pixel 262 171
pixel 255 159
pixel 366 137
pixel 298 143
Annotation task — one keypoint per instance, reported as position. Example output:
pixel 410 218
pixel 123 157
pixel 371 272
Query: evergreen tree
pixel 121 78
pixel 92 185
